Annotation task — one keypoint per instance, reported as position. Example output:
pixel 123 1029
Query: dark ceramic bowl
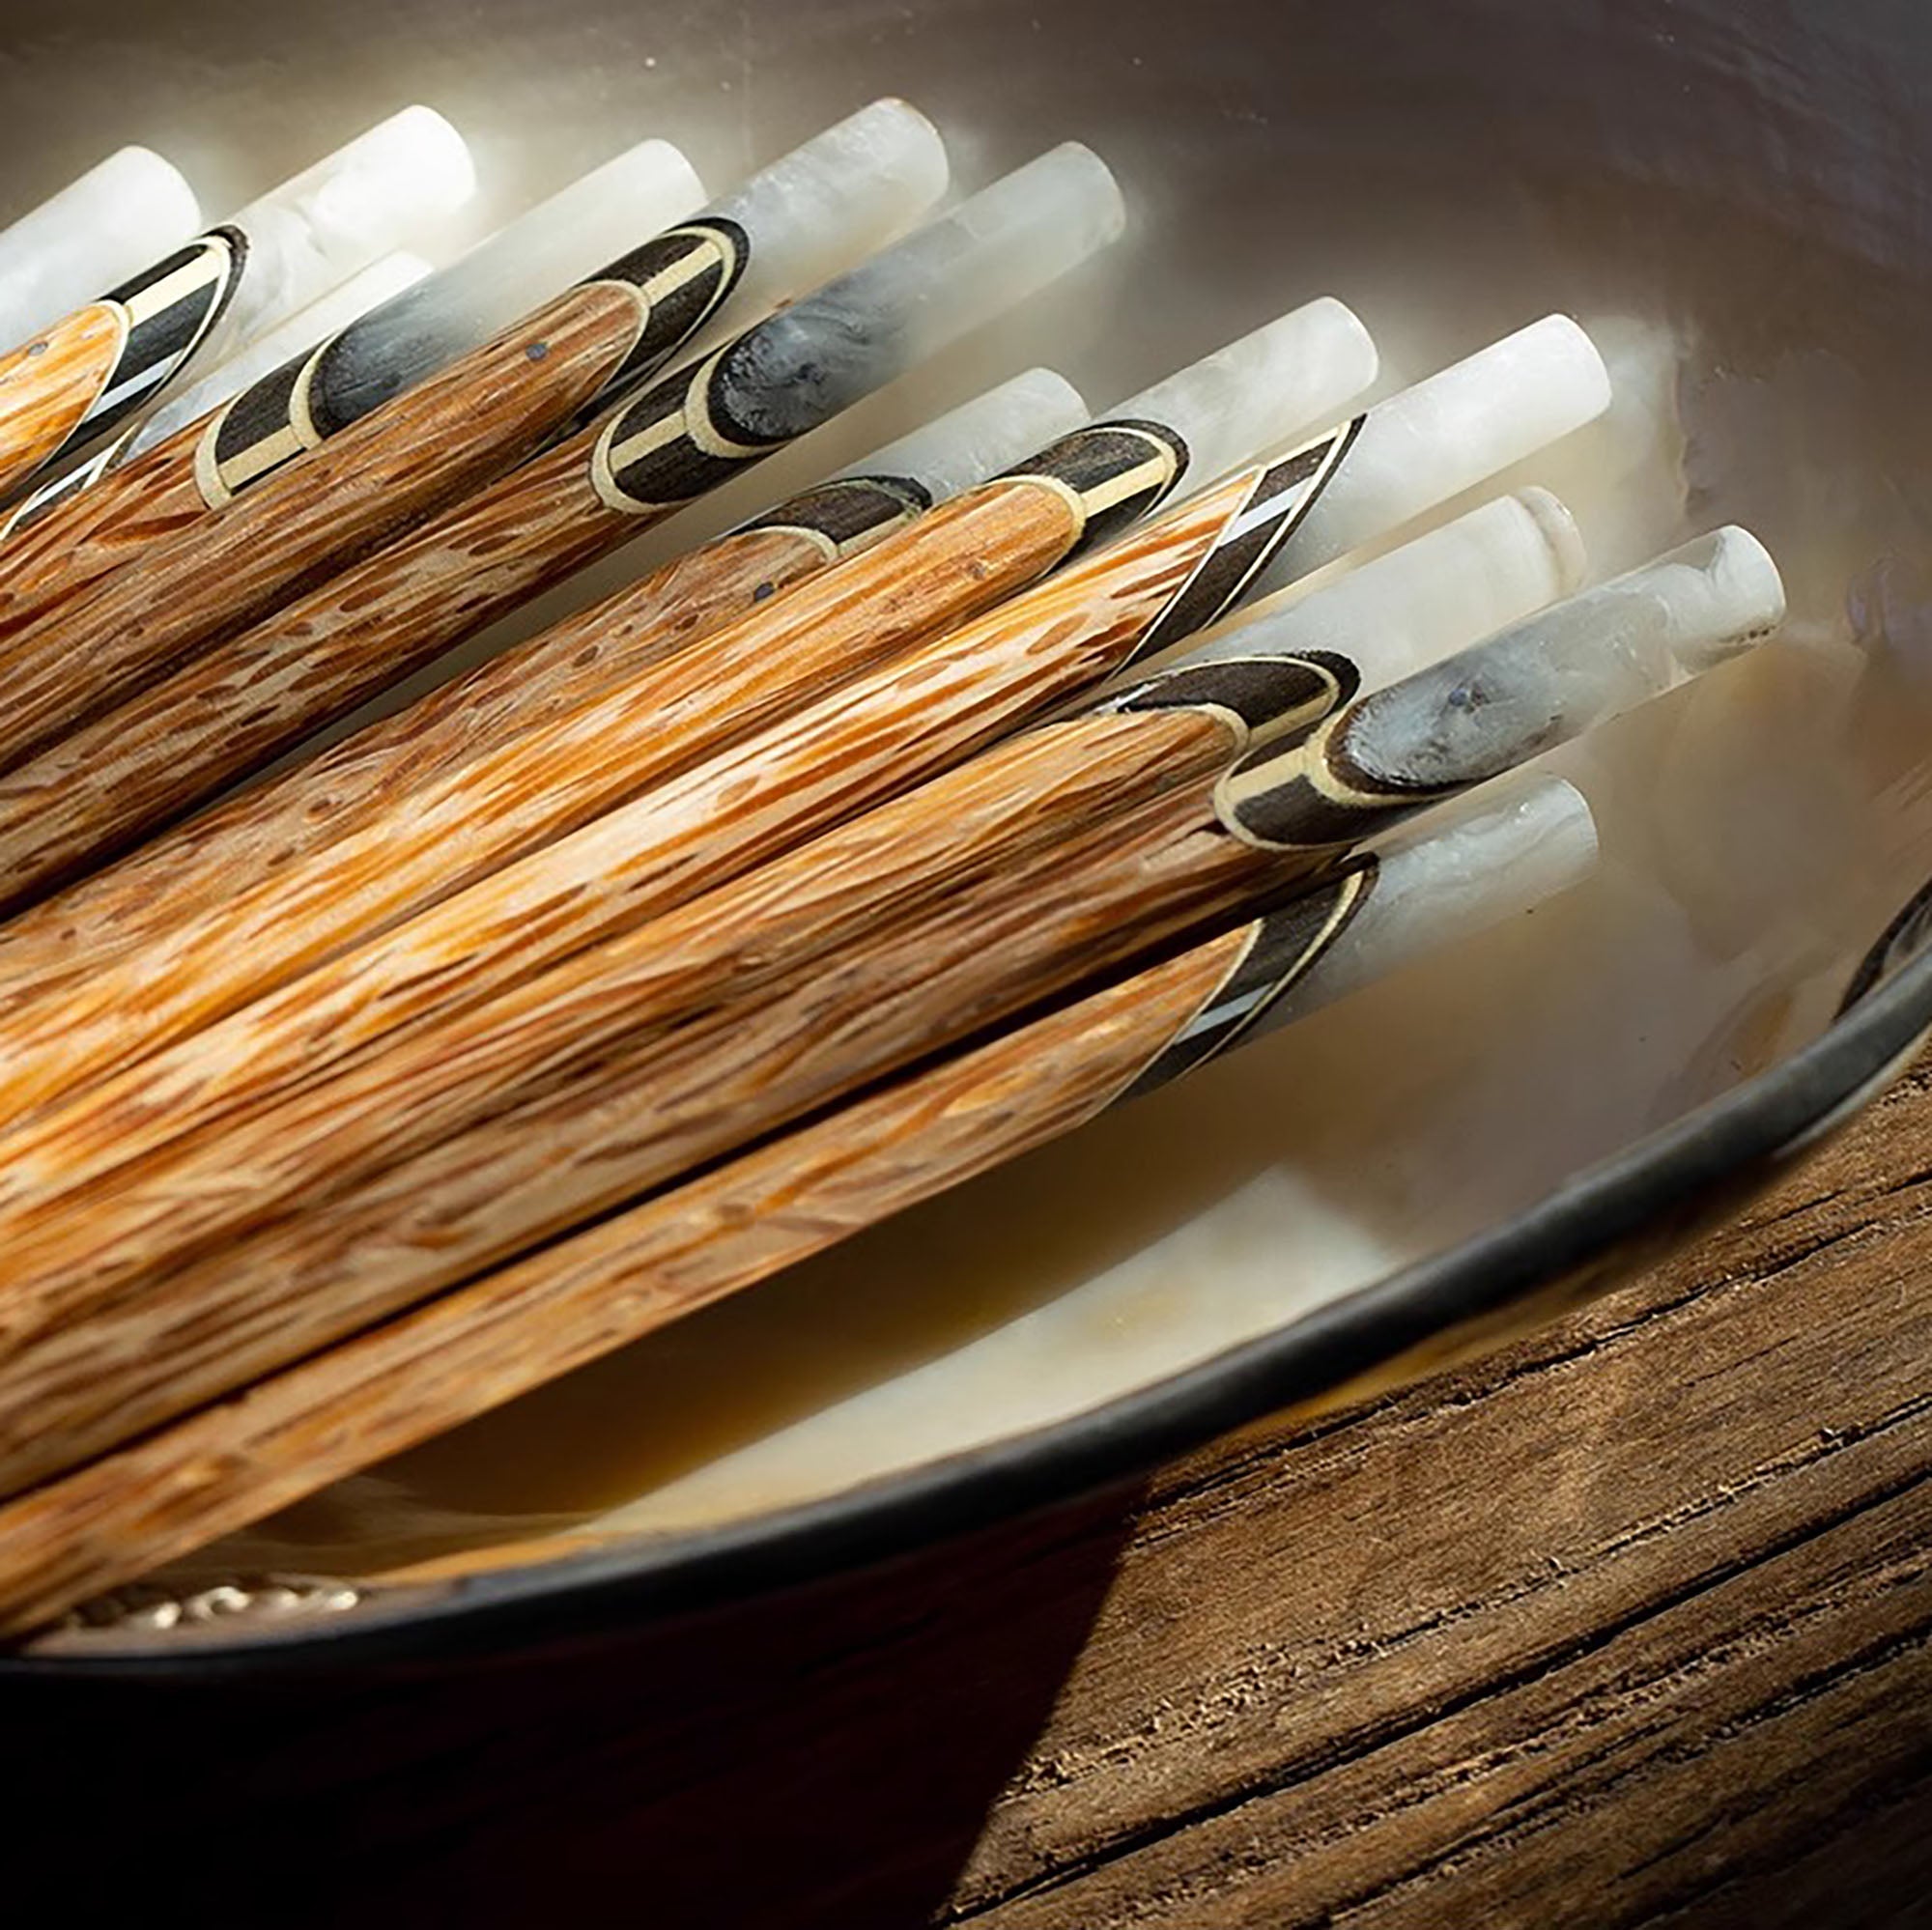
pixel 1736 200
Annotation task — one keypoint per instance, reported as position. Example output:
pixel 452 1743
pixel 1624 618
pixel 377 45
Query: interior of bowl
pixel 1732 203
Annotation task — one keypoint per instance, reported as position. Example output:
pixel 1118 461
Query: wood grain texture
pixel 1626 1624
pixel 136 1297
pixel 54 562
pixel 272 827
pixel 695 825
pixel 114 1521
pixel 94 790
pixel 48 387
pixel 266 830
pixel 1659 1612
pixel 445 438
pixel 967 557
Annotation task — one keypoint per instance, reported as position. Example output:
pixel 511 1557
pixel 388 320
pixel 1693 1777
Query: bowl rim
pixel 1739 1140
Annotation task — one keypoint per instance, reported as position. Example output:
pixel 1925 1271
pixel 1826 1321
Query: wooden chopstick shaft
pixel 962 558
pixel 271 829
pixel 969 554
pixel 428 448
pixel 101 1349
pixel 57 563
pixel 636 1062
pixel 228 714
pixel 48 385
pixel 95 790
pixel 419 1376
pixel 845 890
pixel 232 709
pixel 137 1220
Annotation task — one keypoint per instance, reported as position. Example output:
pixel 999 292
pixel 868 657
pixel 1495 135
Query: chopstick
pixel 204 300
pixel 1072 849
pixel 326 368
pixel 263 831
pixel 693 823
pixel 232 710
pixel 971 552
pixel 446 437
pixel 398 1384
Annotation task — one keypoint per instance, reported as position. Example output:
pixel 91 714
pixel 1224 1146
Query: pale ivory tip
pixel 973 262
pixel 1044 217
pixel 863 183
pixel 1640 634
pixel 383 279
pixel 1510 847
pixel 908 141
pixel 594 221
pixel 1450 434
pixel 393 185
pixel 141 177
pixel 893 141
pixel 120 217
pixel 1556 358
pixel 983 436
pixel 1528 841
pixel 1553 676
pixel 430 159
pixel 652 174
pixel 1724 594
pixel 1422 602
pixel 1296 373
pixel 1091 186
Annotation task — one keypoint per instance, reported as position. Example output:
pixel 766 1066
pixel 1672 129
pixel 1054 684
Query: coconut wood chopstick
pixel 237 706
pixel 1071 850
pixel 1424 600
pixel 262 833
pixel 382 281
pixel 973 552
pixel 424 1373
pixel 453 433
pixel 326 368
pixel 1273 384
pixel 695 823
pixel 90 371
pixel 130 210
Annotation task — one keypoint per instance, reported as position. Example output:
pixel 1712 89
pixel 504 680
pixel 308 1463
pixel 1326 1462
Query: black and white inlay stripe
pixel 1283 947
pixel 168 313
pixel 1279 504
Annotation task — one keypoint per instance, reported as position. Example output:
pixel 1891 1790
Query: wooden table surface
pixel 1628 1624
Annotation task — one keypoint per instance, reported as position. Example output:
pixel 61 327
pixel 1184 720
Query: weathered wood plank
pixel 1306 1600
pixel 1631 1624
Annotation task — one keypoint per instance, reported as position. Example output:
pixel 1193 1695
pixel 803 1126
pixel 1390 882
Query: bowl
pixel 1734 205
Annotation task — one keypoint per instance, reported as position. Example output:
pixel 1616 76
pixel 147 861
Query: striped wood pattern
pixel 48 387
pixel 429 448
pixel 961 559
pixel 99 1349
pixel 428 1371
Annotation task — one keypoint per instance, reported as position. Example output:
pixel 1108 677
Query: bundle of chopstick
pixel 1028 765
